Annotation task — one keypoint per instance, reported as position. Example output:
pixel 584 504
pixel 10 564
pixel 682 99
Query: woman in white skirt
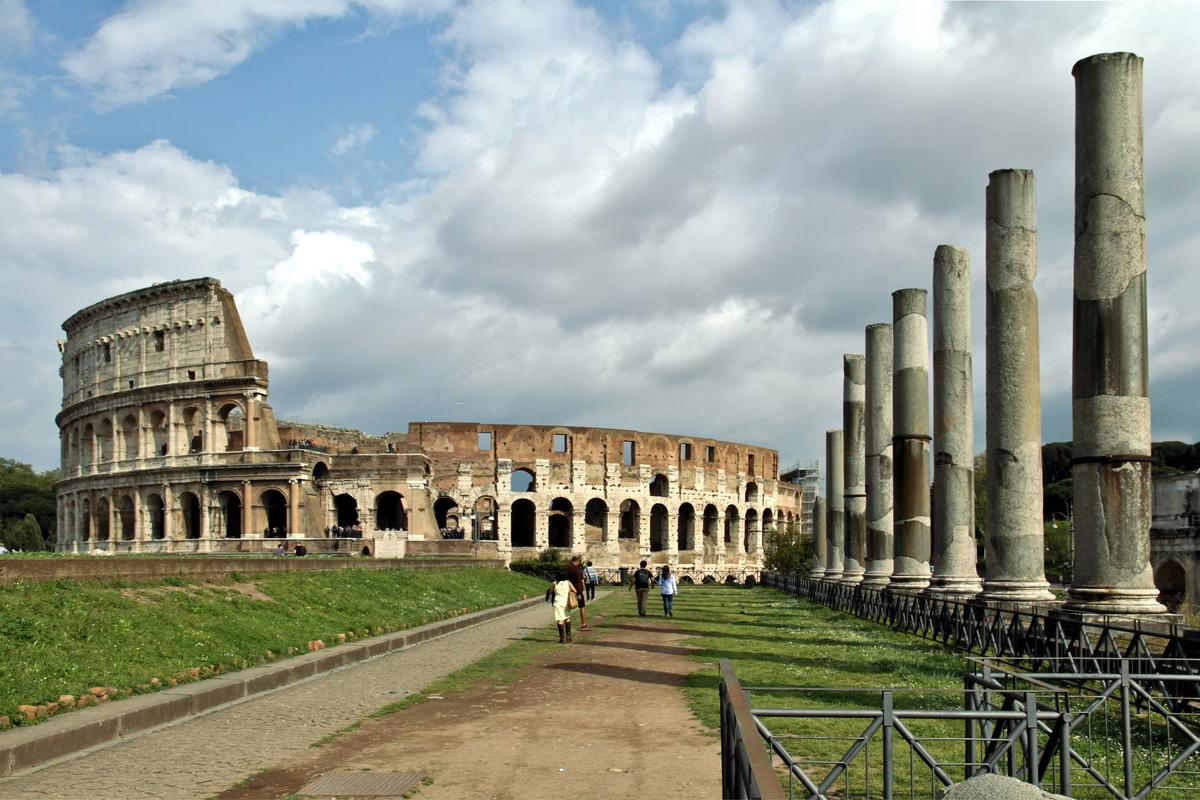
pixel 561 589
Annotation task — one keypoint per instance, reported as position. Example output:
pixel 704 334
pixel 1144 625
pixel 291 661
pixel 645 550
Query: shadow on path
pixel 622 673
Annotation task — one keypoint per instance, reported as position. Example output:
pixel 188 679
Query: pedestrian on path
pixel 592 577
pixel 670 588
pixel 575 576
pixel 640 581
pixel 561 591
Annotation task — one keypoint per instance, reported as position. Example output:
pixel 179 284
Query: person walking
pixel 670 587
pixel 640 581
pixel 560 592
pixel 575 576
pixel 592 577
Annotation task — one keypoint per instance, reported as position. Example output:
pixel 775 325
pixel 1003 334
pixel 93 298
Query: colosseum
pixel 170 446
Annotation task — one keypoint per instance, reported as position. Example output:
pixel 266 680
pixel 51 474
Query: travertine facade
pixel 169 445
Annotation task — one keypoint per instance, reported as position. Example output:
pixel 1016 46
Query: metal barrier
pixel 1037 641
pixel 1111 735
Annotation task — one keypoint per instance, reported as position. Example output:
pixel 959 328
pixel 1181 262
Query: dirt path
pixel 600 717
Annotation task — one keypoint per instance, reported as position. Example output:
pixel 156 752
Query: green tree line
pixel 27 509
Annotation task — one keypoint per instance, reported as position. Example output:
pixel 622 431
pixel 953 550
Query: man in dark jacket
pixel 575 576
pixel 641 584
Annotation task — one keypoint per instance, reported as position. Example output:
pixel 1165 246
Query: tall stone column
pixel 1110 375
pixel 910 420
pixel 854 393
pixel 820 544
pixel 293 525
pixel 878 451
pixel 835 523
pixel 954 572
pixel 1015 552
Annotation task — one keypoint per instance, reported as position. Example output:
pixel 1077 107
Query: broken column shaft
pixel 853 470
pixel 1110 380
pixel 954 572
pixel 878 452
pixel 910 420
pixel 1015 559
pixel 834 513
pixel 820 545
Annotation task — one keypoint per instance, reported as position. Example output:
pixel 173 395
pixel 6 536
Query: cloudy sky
pixel 669 216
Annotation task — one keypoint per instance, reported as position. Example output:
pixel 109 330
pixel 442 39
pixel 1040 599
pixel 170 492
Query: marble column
pixel 835 530
pixel 910 421
pixel 954 572
pixel 1015 552
pixel 878 450
pixel 854 393
pixel 1110 376
pixel 820 545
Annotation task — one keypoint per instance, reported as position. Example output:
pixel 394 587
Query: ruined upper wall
pixel 185 330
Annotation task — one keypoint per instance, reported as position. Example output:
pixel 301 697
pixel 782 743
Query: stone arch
pixel 102 519
pixel 105 440
pixel 485 517
pixel 189 514
pixel 346 508
pixel 85 520
pixel 710 531
pixel 274 515
pixel 1171 580
pixel 595 521
pixel 523 523
pixel 660 486
pixel 446 512
pixel 685 527
pixel 320 471
pixel 72 458
pixel 159 434
pixel 631 520
pixel 768 522
pixel 191 431
pixel 126 518
pixel 523 480
pixel 732 523
pixel 562 515
pixel 157 512
pixel 658 528
pixel 88 445
pixel 231 514
pixel 751 531
pixel 389 511
pixel 230 433
pixel 751 491
pixel 129 437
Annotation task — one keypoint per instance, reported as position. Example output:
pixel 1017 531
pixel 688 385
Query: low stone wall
pixel 452 547
pixel 148 568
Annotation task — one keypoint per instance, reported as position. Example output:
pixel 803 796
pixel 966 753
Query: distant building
pixel 806 475
pixel 1175 538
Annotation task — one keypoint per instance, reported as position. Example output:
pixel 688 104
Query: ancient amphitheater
pixel 169 445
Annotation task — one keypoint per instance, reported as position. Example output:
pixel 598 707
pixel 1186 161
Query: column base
pixel 954 588
pixel 832 575
pixel 908 584
pixel 851 578
pixel 1017 592
pixel 870 581
pixel 817 574
pixel 1127 604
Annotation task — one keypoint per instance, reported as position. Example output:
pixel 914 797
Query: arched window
pixel 485 518
pixel 523 523
pixel 631 520
pixel 445 511
pixel 561 517
pixel 158 516
pixel 685 528
pixel 595 521
pixel 189 511
pixel 389 512
pixel 751 492
pixel 129 437
pixel 523 480
pixel 231 434
pixel 1171 581
pixel 231 514
pixel 711 528
pixel 127 518
pixel 347 510
pixel 658 528
pixel 274 513
pixel 731 524
pixel 659 486
pixel 102 516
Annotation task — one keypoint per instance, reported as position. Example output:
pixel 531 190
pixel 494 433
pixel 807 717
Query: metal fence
pixel 1037 641
pixel 1101 735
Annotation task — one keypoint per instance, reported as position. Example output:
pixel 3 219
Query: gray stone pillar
pixel 954 572
pixel 878 449
pixel 1015 553
pixel 835 522
pixel 1110 384
pixel 820 545
pixel 910 420
pixel 854 393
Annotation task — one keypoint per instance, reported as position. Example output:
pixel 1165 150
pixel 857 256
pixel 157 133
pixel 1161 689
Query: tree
pixel 787 551
pixel 24 491
pixel 23 534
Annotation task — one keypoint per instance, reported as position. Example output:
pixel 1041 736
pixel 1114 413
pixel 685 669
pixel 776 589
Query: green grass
pixel 775 640
pixel 62 637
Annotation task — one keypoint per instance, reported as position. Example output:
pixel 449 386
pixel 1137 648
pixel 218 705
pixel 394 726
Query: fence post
pixel 1126 729
pixel 888 728
pixel 1031 739
pixel 1064 755
pixel 972 728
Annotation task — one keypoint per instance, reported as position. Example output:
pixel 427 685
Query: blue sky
pixel 661 215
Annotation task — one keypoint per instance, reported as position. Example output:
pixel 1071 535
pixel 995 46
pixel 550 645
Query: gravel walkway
pixel 205 755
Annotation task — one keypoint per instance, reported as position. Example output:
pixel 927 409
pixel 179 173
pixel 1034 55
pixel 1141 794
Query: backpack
pixel 641 579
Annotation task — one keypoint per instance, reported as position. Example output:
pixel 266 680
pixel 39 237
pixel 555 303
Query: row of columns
pixel 882 453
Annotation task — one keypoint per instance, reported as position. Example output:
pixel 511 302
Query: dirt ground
pixel 600 717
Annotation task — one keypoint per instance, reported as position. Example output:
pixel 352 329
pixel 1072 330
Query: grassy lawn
pixel 63 637
pixel 777 640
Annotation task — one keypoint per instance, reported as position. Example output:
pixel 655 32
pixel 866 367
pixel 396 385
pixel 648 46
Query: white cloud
pixel 151 48
pixel 591 244
pixel 357 136
pixel 17 27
